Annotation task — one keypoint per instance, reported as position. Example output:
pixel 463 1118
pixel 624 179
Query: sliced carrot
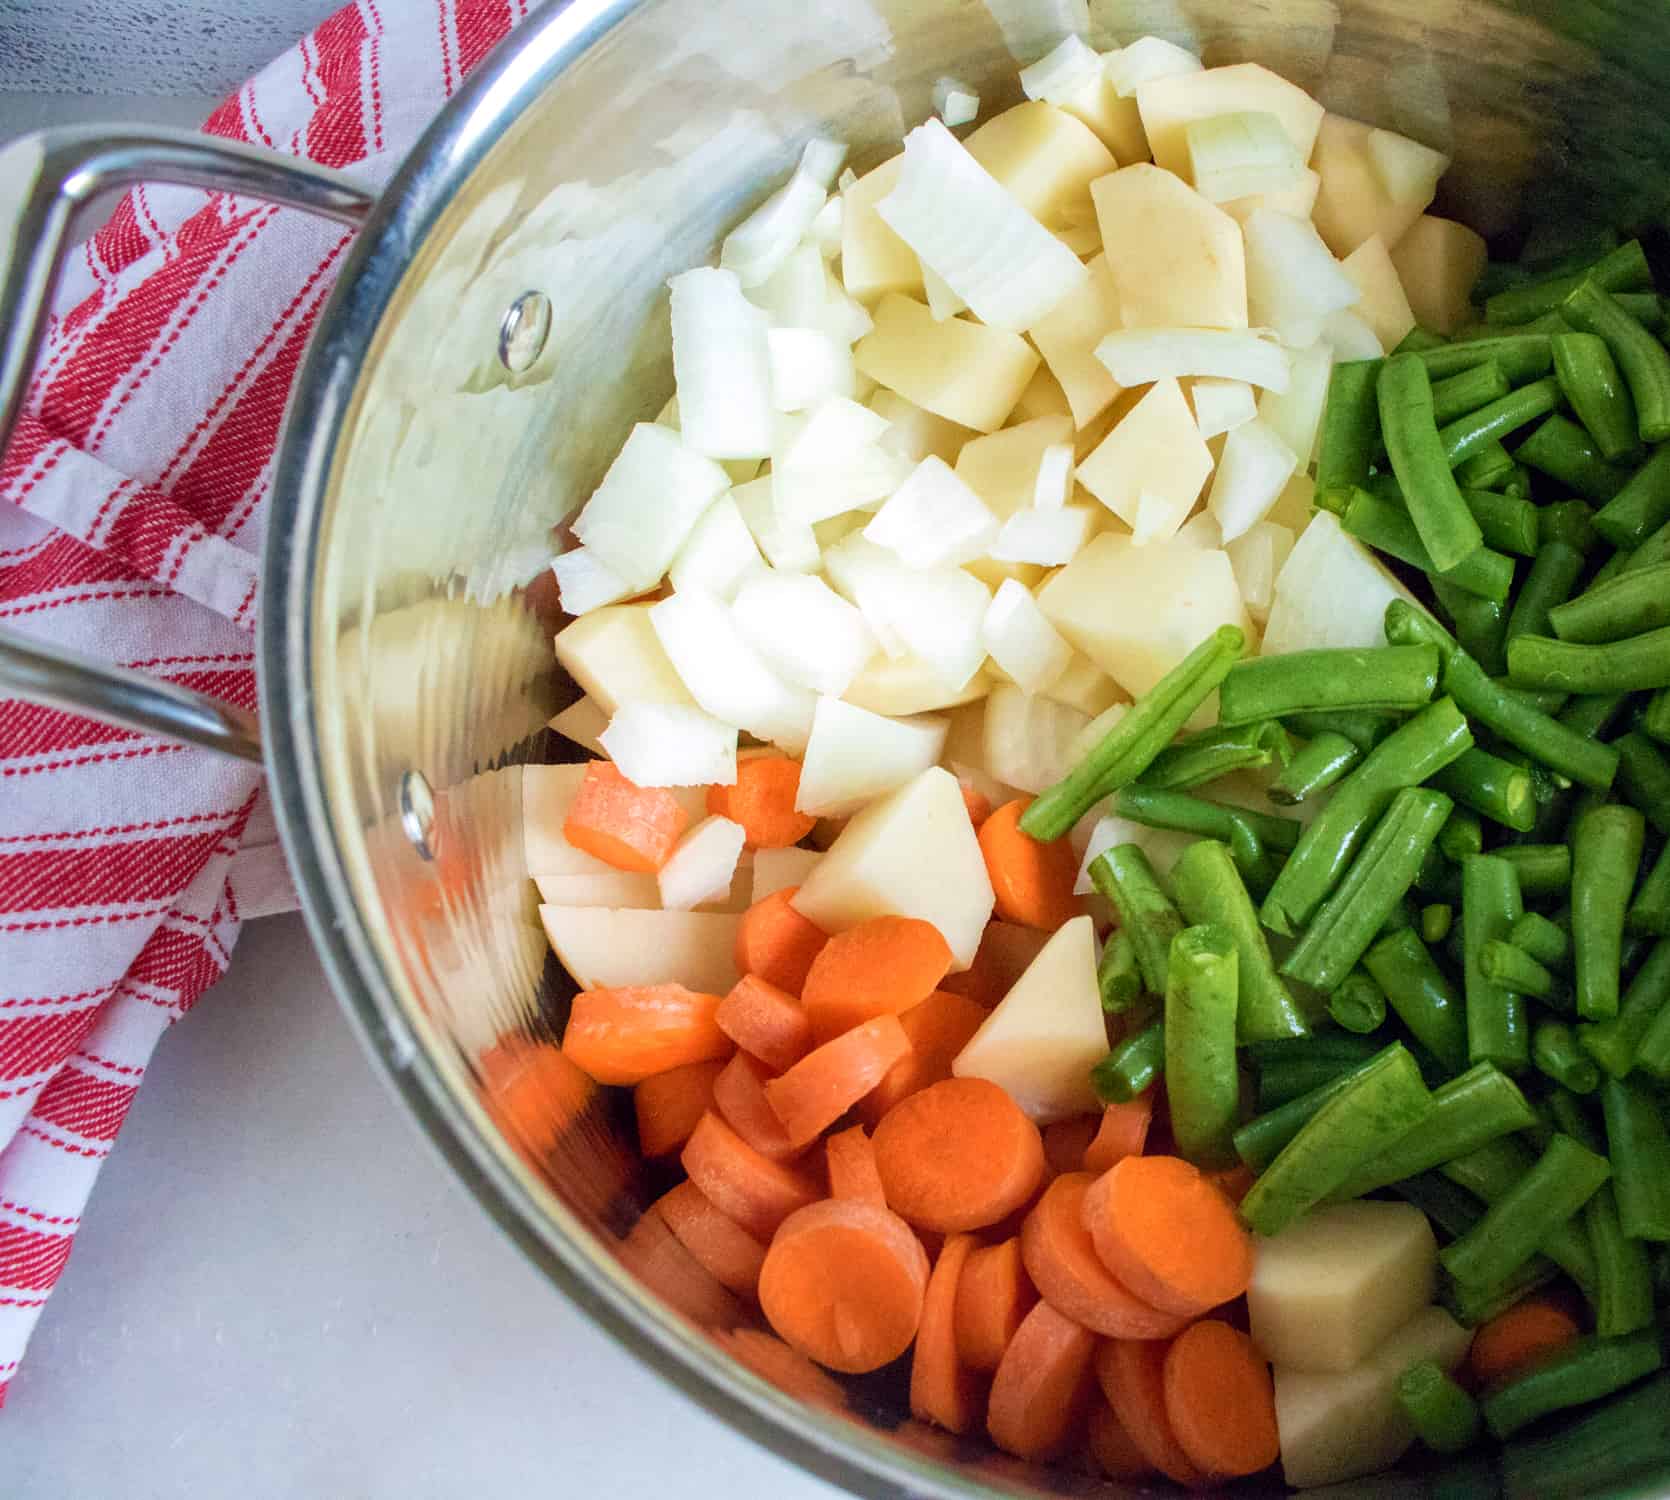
pixel 628 1034
pixel 939 1028
pixel 850 1160
pixel 1518 1337
pixel 1131 1373
pixel 843 1282
pixel 1233 1182
pixel 533 1090
pixel 755 1191
pixel 766 1021
pixel 830 1079
pixel 878 968
pixel 1064 1266
pixel 1065 1142
pixel 629 827
pixel 1111 1446
pixel 740 1097
pixel 1122 1132
pixel 1033 881
pixel 1168 1234
pixel 725 1249
pixel 762 800
pixel 1043 1387
pixel 994 1295
pixel 777 1364
pixel 1006 948
pixel 958 1155
pixel 942 1388
pixel 1220 1400
pixel 653 1254
pixel 669 1104
pixel 979 805
pixel 776 943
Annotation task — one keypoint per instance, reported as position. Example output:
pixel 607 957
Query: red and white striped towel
pixel 132 507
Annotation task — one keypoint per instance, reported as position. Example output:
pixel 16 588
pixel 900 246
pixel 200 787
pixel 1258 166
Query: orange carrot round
pixel 626 1035
pixel 1065 1142
pixel 880 967
pixel 1064 1266
pixel 994 1295
pixel 762 800
pixel 627 826
pixel 843 1282
pixel 669 1104
pixel 740 1097
pixel 939 1028
pixel 830 1079
pixel 1220 1400
pixel 776 943
pixel 1042 1387
pixel 850 1161
pixel 1006 948
pixel 1121 1132
pixel 1131 1373
pixel 1033 882
pixel 1518 1337
pixel 1168 1234
pixel 725 1249
pixel 1111 1446
pixel 942 1388
pixel 958 1155
pixel 777 1364
pixel 533 1090
pixel 756 1192
pixel 766 1021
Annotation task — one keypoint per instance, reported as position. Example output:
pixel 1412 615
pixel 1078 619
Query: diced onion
pixel 789 545
pixel 943 303
pixel 1055 477
pixel 1293 280
pixel 670 744
pixel 826 227
pixel 808 366
pixel 933 518
pixel 863 573
pixel 702 866
pixel 914 432
pixel 1200 531
pixel 1257 556
pixel 1350 337
pixel 1256 464
pixel 821 159
pixel 585 582
pixel 763 241
pixel 1027 739
pixel 1063 72
pixel 718 554
pixel 1331 591
pixel 1146 59
pixel 798 293
pixel 1156 518
pixel 955 102
pixel 807 633
pixel 1139 356
pixel 1045 537
pixel 1295 415
pixel 832 462
pixel 1232 156
pixel 722 364
pixel 855 756
pixel 936 612
pixel 1021 639
pixel 1221 404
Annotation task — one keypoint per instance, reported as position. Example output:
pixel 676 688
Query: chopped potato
pixel 1373 182
pixel 1085 686
pixel 1002 467
pixel 777 869
pixel 613 653
pixel 1297 200
pixel 904 685
pixel 1045 157
pixel 1156 457
pixel 602 947
pixel 1177 260
pixel 619 888
pixel 1068 336
pixel 1438 261
pixel 1043 397
pixel 1028 740
pixel 1168 105
pixel 874 260
pixel 1384 307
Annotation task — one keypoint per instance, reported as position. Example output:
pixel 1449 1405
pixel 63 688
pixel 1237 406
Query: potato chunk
pixel 613 653
pixel 1177 260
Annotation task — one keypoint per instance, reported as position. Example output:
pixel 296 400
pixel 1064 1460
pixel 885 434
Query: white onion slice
pixel 1054 483
pixel 955 102
pixel 702 866
pixel 1045 537
pixel 718 554
pixel 933 518
pixel 1293 280
pixel 585 582
pixel 1221 404
pixel 1257 556
pixel 1233 156
pixel 1146 59
pixel 833 462
pixel 1021 639
pixel 1350 337
pixel 807 633
pixel 1295 415
pixel 789 545
pixel 1066 70
pixel 1256 464
pixel 763 241
pixel 722 365
pixel 808 366
pixel 1139 356
pixel 670 744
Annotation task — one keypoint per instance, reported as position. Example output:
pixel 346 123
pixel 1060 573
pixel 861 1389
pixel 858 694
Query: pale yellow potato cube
pixel 1373 182
pixel 1177 260
pixel 912 853
pixel 874 260
pixel 1438 261
pixel 1086 687
pixel 1068 336
pixel 1116 121
pixel 602 947
pixel 961 370
pixel 613 653
pixel 1383 306
pixel 1002 468
pixel 1169 104
pixel 1043 397
pixel 1045 157
pixel 1328 1290
pixel 1296 201
pixel 900 686
pixel 619 888
pixel 1156 452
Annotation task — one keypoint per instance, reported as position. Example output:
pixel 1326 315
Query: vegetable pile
pixel 1125 855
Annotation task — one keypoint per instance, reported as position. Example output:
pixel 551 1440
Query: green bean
pixel 1216 752
pixel 1622 270
pixel 1118 980
pixel 1209 890
pixel 1542 700
pixel 1556 1055
pixel 1568 521
pixel 1641 506
pixel 1399 679
pixel 1587 1370
pixel 1473 1305
pixel 1655 717
pixel 1509 523
pixel 1453 1210
pixel 1490 466
pixel 1131 1067
pixel 1562 450
pixel 1419 338
pixel 1146 914
pixel 1640 1149
pixel 1521 356
pixel 1517 484
pixel 1616 1044
pixel 1644 778
pixel 1652 1052
pixel 1624 1281
pixel 1203 1088
pixel 1422 461
pixel 1280 1083
pixel 1647 308
pixel 1443 1416
pixel 1492 1171
pixel 1467 391
pixel 1489 785
pixel 1131 746
pixel 1365 730
pixel 1261 1140
pixel 1329 1046
pixel 1606 851
pixel 1410 755
pixel 1435 922
pixel 1468 1112
pixel 1541 868
pixel 1649 910
pixel 1462 833
pixel 1625 605
pixel 1655 549
pixel 1359 1004
pixel 1467 435
pixel 1595 390
pixel 1379 1103
pixel 1643 360
pixel 1389 528
pixel 1512 969
pixel 1543 940
pixel 1481 629
pixel 1490 904
pixel 1187 813
pixel 1313 769
pixel 1554 574
pixel 1571 1115
pixel 1516 1225
pixel 1350 427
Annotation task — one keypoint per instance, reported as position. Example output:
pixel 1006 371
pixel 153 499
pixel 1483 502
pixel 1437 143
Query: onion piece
pixel 789 545
pixel 1200 530
pixel 703 865
pixel 1045 537
pixel 1255 466
pixel 1295 415
pixel 864 574
pixel 1027 739
pixel 1054 484
pixel 955 102
pixel 1331 591
pixel 1140 356
pixel 1293 280
pixel 1065 71
pixel 1257 556
pixel 943 303
pixel 718 554
pixel 936 613
pixel 855 756
pixel 933 518
pixel 1021 639
pixel 808 366
pixel 808 634
pixel 585 582
pixel 915 432
pixel 1221 404
pixel 832 462
pixel 826 228
pixel 722 364
pixel 670 744
pixel 1350 337
pixel 972 231
pixel 822 158
pixel 763 241
pixel 1235 155
pixel 1147 58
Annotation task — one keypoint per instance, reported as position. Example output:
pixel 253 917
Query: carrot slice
pixel 740 1097
pixel 1033 881
pixel 777 1364
pixel 653 1254
pixel 533 1090
pixel 1111 1446
pixel 1233 1182
pixel 1518 1337
pixel 1132 1376
pixel 1006 948
pixel 762 800
pixel 942 1388
pixel 627 826
pixel 1123 1131
pixel 628 1034
pixel 939 1028
pixel 1063 1264
pixel 725 1249
pixel 979 805
pixel 994 1295
pixel 669 1104
pixel 1220 1400
pixel 755 1191
pixel 843 1282
pixel 776 943
pixel 850 1160
pixel 880 967
pixel 959 1155
pixel 766 1021
pixel 1042 1387
pixel 1065 1142
pixel 829 1080
pixel 1168 1234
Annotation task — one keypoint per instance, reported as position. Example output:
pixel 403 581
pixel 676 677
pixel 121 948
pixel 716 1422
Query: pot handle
pixel 45 179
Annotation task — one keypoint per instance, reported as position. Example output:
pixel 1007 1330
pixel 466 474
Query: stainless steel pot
pixel 498 327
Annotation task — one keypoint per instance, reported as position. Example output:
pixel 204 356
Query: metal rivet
pixel 417 812
pixel 523 330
